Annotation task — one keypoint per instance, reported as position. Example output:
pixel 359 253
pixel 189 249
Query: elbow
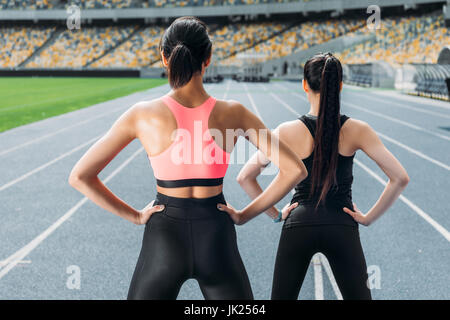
pixel 243 179
pixel 297 173
pixel 76 180
pixel 302 172
pixel 404 180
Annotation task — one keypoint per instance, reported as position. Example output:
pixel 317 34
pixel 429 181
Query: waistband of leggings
pixel 190 202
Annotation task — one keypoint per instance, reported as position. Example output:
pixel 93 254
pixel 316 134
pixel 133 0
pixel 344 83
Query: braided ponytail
pixel 326 141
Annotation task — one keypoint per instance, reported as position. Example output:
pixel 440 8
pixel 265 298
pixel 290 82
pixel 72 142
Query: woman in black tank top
pixel 321 216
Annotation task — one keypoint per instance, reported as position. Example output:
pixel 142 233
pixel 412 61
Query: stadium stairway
pixel 47 43
pixel 136 30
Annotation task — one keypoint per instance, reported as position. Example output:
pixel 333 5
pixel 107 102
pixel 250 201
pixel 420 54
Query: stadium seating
pixel 415 39
pixel 108 4
pixel 402 40
pixel 18 43
pixel 234 38
pixel 76 49
pixel 140 50
pixel 297 38
pixel 28 4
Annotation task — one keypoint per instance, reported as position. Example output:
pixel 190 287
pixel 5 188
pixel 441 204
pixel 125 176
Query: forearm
pixel 277 189
pixel 97 192
pixel 253 189
pixel 390 193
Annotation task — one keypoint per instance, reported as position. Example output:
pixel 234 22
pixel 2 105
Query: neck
pixel 314 101
pixel 193 93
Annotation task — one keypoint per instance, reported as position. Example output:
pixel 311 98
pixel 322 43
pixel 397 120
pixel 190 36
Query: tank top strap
pixel 310 124
pixel 343 119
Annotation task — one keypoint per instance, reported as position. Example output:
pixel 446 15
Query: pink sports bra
pixel 193 158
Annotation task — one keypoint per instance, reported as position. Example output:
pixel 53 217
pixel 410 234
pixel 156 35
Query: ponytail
pixel 180 66
pixel 326 141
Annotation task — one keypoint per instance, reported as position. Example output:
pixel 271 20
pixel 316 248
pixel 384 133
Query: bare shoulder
pixel 152 114
pixel 230 107
pixel 291 130
pixel 153 107
pixel 228 114
pixel 359 134
pixel 355 127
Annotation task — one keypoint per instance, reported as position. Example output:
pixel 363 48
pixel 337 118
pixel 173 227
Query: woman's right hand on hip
pixel 144 215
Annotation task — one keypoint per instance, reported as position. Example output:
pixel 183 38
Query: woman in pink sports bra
pixel 186 134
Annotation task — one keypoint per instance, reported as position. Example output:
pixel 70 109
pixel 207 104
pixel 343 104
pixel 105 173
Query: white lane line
pixel 107 113
pixel 318 281
pixel 399 105
pixel 3 263
pixel 57 132
pixel 404 123
pixel 283 103
pixel 402 97
pixel 252 102
pixel 414 151
pixel 415 99
pixel 330 275
pixel 227 89
pixel 409 203
pixel 14 259
pixel 45 165
pixel 396 142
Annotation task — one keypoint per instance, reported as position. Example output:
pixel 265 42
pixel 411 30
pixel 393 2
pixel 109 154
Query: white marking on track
pixel 318 280
pixel 57 132
pixel 403 106
pixel 392 119
pixel 3 263
pixel 330 275
pixel 227 89
pixel 252 102
pixel 48 135
pixel 414 151
pixel 45 165
pixel 409 203
pixel 14 259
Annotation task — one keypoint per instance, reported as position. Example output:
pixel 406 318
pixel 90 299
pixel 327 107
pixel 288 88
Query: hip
pixel 322 215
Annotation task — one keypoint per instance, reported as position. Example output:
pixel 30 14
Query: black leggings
pixel 190 238
pixel 339 243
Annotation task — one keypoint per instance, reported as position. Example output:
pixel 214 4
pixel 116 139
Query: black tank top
pixel 339 196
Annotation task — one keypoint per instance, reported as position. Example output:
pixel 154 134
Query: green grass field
pixel 25 100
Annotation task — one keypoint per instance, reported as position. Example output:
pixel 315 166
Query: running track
pixel 47 226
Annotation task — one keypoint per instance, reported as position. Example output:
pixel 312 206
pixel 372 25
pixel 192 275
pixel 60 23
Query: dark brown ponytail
pixel 186 46
pixel 328 69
